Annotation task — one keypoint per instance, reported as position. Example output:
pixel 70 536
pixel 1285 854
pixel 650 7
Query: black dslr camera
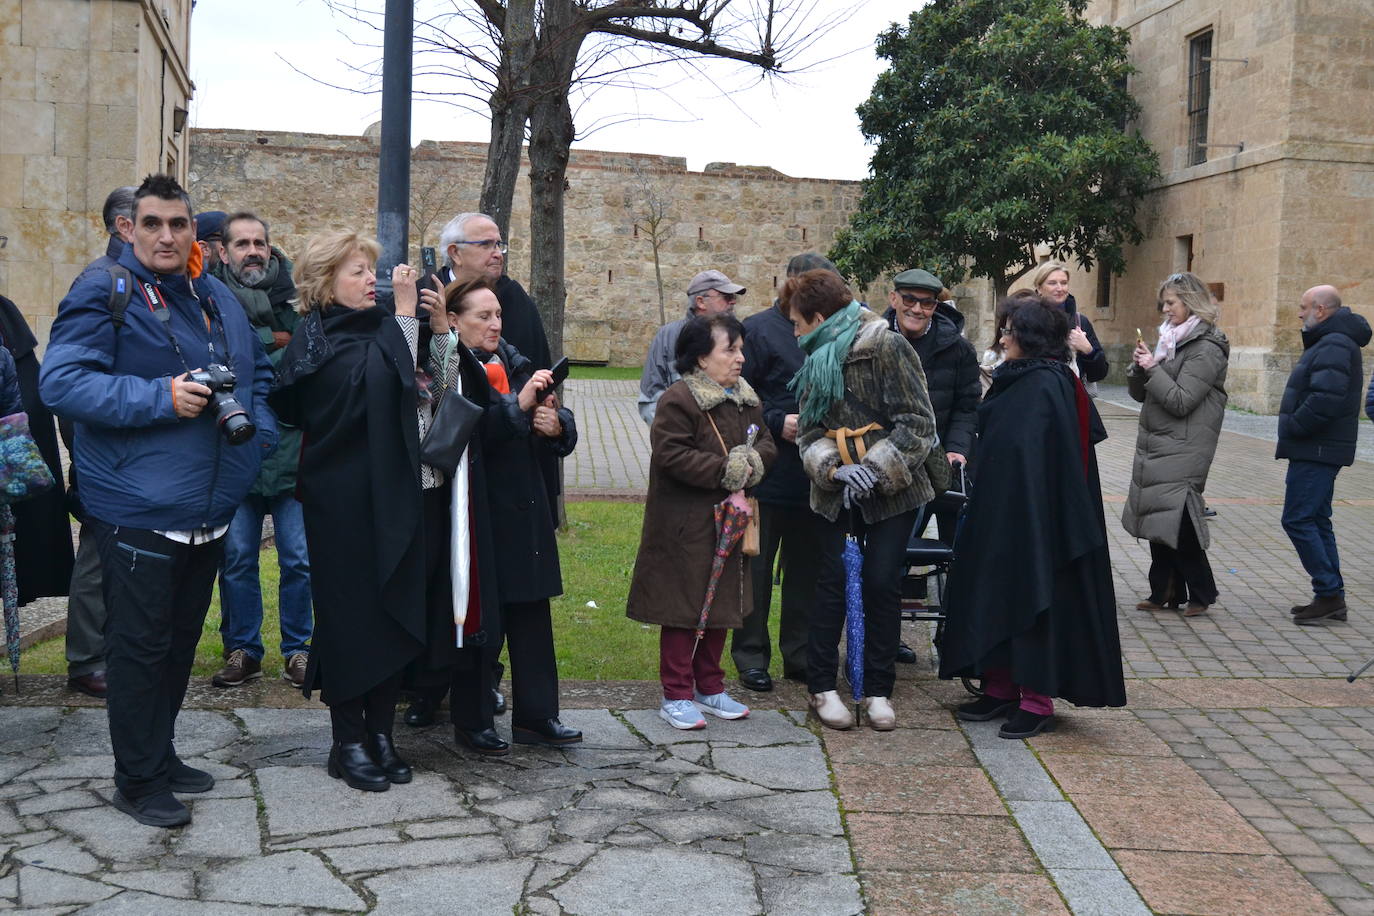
pixel 229 413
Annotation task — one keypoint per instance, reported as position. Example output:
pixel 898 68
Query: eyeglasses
pixel 1004 332
pixel 925 302
pixel 727 297
pixel 488 245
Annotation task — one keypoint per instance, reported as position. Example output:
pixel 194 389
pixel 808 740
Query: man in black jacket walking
pixel 1318 423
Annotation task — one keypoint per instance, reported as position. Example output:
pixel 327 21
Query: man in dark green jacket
pixel 260 277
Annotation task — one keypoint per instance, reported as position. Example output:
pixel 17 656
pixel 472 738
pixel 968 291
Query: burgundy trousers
pixel 680 670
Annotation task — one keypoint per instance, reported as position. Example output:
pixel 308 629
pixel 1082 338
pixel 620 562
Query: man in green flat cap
pixel 934 328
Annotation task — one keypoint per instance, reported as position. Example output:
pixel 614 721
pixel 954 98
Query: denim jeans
pixel 240 588
pixel 1307 519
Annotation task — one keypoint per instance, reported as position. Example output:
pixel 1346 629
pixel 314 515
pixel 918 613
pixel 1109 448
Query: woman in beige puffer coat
pixel 1182 387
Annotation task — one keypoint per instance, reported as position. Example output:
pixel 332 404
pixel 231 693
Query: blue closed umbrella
pixel 854 617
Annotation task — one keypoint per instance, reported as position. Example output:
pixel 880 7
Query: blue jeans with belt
pixel 1308 489
pixel 241 588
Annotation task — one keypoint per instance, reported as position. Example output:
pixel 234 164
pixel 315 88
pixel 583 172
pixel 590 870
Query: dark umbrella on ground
pixel 730 524
pixel 9 589
pixel 854 616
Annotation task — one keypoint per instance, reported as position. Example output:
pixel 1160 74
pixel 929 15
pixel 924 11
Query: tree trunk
pixel 510 109
pixel 551 136
pixel 658 278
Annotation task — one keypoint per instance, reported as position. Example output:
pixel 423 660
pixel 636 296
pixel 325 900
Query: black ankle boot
pixel 353 764
pixel 420 713
pixel 384 752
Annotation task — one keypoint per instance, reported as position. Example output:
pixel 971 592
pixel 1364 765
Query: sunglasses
pixel 924 302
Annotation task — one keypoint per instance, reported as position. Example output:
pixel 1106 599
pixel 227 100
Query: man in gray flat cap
pixel 709 293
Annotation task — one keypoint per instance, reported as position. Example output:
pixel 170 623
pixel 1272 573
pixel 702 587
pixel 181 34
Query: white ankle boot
pixel 831 710
pixel 880 714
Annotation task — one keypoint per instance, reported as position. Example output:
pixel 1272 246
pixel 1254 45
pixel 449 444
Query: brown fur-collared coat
pixel 689 473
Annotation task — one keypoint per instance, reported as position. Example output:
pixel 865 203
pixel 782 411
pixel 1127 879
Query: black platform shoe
pixel 384 753
pixel 353 764
pixel 420 712
pixel 548 732
pixel 484 741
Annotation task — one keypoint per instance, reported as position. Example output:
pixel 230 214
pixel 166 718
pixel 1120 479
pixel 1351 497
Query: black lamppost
pixel 393 171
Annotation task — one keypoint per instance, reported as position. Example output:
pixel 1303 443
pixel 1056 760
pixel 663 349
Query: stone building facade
pixel 746 221
pixel 1262 112
pixel 93 95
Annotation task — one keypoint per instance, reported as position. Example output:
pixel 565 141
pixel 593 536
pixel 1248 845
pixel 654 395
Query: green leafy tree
pixel 1000 125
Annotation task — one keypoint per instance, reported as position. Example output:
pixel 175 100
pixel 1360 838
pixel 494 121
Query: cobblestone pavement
pixel 1239 780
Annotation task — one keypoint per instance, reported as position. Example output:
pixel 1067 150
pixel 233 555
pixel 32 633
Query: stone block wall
pixel 86 105
pixel 745 221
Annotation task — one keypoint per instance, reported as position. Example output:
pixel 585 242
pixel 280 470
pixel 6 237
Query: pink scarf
pixel 1170 335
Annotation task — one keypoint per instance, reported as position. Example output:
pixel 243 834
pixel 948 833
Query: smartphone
pixel 428 267
pixel 1139 337
pixel 560 373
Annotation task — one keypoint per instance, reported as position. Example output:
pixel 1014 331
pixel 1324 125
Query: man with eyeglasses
pixel 935 331
pixel 709 293
pixel 473 247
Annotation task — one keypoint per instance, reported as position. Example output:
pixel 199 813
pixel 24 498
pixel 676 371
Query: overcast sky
pixel 804 126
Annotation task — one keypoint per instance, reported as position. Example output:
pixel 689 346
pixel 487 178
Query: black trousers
pixel 884 564
pixel 533 672
pixel 1184 574
pixel 372 713
pixel 156 594
pixel 798 531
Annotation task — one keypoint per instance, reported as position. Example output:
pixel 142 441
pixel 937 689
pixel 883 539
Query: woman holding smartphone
pixel 1181 385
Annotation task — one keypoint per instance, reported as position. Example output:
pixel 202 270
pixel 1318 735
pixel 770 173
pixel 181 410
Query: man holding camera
pixel 259 275
pixel 167 385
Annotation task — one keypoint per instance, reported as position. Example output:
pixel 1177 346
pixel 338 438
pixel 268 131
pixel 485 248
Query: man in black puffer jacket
pixel 935 331
pixel 1318 423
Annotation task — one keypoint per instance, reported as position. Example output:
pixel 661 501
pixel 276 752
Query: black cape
pixel 1030 588
pixel 348 381
pixel 42 531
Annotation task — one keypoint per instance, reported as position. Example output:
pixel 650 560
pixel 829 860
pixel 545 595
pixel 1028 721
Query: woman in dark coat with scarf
pixel 701 456
pixel 865 430
pixel 1029 602
pixel 1051 281
pixel 1182 386
pixel 527 569
pixel 375 517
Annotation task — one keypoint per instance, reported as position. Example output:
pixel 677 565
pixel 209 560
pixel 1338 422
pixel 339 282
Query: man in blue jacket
pixel 1318 424
pixel 160 478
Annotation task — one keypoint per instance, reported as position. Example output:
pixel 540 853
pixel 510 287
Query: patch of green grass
pixel 612 373
pixel 50 657
pixel 597 551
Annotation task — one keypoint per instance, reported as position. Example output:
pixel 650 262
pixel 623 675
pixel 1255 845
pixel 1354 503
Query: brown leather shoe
pixel 92 685
pixel 238 669
pixel 294 672
pixel 1194 609
pixel 1323 607
pixel 1148 605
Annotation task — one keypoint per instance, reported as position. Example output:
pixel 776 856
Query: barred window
pixel 1199 95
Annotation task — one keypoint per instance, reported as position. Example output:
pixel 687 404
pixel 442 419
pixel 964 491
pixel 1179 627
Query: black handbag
pixel 453 425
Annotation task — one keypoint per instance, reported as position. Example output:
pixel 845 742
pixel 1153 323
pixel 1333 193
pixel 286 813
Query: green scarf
pixel 819 383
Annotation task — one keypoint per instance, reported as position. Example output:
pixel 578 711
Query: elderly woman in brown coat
pixel 1182 386
pixel 701 456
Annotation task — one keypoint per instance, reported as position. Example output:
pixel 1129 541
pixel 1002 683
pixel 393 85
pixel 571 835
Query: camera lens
pixel 233 419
